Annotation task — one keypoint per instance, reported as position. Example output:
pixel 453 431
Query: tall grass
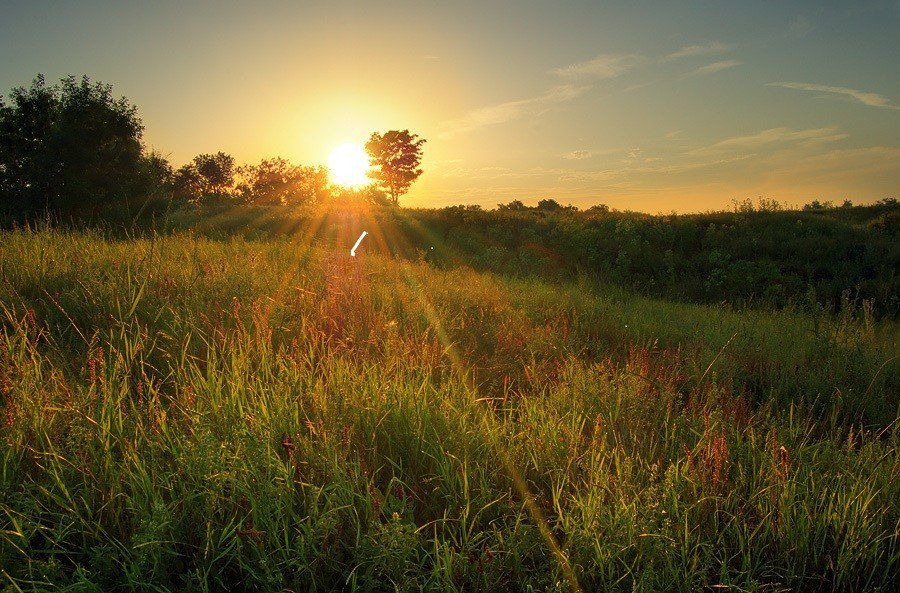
pixel 186 414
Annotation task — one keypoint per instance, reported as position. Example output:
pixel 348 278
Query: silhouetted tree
pixel 216 172
pixel 187 185
pixel 278 181
pixel 768 205
pixel 514 206
pixel 155 186
pixel 396 156
pixel 356 197
pixel 70 149
pixel 551 205
pixel 817 205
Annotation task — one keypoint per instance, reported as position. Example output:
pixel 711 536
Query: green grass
pixel 189 414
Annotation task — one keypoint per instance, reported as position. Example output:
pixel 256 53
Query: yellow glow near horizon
pixel 349 164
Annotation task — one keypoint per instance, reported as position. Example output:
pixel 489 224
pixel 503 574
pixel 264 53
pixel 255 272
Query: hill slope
pixel 189 413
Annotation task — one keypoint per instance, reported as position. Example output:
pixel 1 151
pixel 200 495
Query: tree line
pixel 74 149
pixel 759 253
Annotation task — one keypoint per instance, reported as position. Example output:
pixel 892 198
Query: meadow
pixel 760 254
pixel 193 414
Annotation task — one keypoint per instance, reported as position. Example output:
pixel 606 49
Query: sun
pixel 349 164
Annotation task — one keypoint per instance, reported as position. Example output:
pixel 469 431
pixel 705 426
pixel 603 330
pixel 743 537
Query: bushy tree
pixel 278 181
pixel 216 172
pixel 354 198
pixel 816 205
pixel 187 185
pixel 71 149
pixel 396 156
pixel 207 175
pixel 551 205
pixel 513 206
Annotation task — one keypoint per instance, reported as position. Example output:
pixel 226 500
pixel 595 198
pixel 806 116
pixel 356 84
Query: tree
pixel 396 156
pixel 70 149
pixel 206 175
pixel 216 172
pixel 514 206
pixel 358 197
pixel 816 205
pixel 278 181
pixel 154 184
pixel 187 185
pixel 551 205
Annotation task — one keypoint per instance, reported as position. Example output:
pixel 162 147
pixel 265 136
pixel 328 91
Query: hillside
pixel 270 414
pixel 765 258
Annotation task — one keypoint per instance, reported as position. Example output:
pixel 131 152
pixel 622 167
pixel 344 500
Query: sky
pixel 647 106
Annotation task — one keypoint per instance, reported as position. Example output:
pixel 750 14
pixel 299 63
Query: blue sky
pixel 653 106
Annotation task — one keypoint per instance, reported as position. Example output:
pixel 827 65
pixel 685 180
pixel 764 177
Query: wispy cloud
pixel 773 136
pixel 510 110
pixel 654 166
pixel 577 155
pixel 863 160
pixel 603 66
pixel 866 98
pixel 578 78
pixel 704 49
pixel 716 67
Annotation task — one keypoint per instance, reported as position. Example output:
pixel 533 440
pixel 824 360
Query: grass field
pixel 190 414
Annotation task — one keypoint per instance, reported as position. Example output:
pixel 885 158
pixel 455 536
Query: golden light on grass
pixel 348 164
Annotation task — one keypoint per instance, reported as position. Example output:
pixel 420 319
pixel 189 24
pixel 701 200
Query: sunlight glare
pixel 349 164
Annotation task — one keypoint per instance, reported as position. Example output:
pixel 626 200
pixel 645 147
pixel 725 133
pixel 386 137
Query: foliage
pixel 551 205
pixel 216 172
pixel 763 255
pixel 187 185
pixel 184 414
pixel 513 206
pixel 278 181
pixel 207 176
pixel 71 149
pixel 760 259
pixel 816 205
pixel 396 156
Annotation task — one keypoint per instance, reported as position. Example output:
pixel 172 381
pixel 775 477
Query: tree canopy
pixel 70 148
pixel 396 156
pixel 206 175
pixel 278 181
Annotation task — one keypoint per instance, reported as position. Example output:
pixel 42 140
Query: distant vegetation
pixel 74 153
pixel 767 257
pixel 763 258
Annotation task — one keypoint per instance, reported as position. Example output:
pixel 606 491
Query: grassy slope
pixel 764 258
pixel 192 414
